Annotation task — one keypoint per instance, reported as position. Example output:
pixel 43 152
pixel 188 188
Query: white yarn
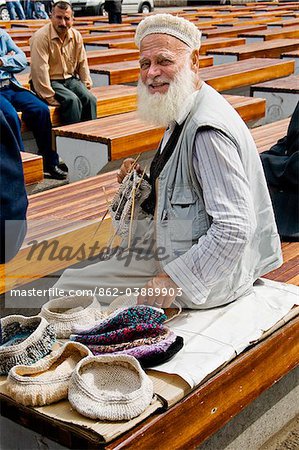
pixel 110 387
pixel 175 26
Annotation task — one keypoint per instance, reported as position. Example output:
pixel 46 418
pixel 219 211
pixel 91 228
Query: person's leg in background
pixel 11 116
pixel 36 115
pixel 28 9
pixel 70 105
pixel 11 10
pixel 87 99
pixel 115 17
pixel 19 10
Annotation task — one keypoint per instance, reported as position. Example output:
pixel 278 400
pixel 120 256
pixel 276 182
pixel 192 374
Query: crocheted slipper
pixel 112 348
pixel 66 312
pixel 110 388
pixel 148 354
pixel 125 318
pixel 46 381
pixel 24 340
pixel 130 333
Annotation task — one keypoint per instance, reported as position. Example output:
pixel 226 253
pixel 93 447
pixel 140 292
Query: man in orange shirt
pixel 59 68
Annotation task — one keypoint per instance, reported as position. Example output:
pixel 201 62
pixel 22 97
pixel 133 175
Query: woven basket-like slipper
pixel 46 381
pixel 110 388
pixel 66 312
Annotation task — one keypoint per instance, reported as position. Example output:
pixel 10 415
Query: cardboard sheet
pixel 212 339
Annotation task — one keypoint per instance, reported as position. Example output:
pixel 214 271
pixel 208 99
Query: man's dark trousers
pixel 77 103
pixel 35 114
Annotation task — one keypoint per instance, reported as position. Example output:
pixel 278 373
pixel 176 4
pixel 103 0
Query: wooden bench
pixel 109 56
pixel 204 410
pixel 228 76
pixel 129 43
pixel 126 72
pixel 231 31
pixel 281 97
pixel 241 74
pixel 104 36
pixel 294 56
pixel 283 24
pixel 32 167
pixel 267 135
pixel 267 49
pixel 66 215
pixel 96 142
pixel 112 100
pixel 69 216
pixel 268 35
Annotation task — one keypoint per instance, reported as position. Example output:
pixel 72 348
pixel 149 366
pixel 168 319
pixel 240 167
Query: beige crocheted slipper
pixel 24 340
pixel 46 381
pixel 110 387
pixel 65 312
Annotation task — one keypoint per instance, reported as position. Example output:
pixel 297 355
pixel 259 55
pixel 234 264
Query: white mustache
pixel 156 82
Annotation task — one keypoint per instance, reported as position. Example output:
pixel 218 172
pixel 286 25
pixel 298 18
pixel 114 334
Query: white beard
pixel 162 109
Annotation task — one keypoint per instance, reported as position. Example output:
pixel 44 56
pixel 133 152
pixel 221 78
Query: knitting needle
pixel 105 214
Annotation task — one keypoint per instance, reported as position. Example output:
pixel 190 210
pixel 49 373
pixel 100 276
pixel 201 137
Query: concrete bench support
pixel 83 158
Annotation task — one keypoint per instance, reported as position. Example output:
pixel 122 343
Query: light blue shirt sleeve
pixel 11 63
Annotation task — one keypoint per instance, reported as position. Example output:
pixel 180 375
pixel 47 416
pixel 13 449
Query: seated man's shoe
pixel 55 172
pixel 62 166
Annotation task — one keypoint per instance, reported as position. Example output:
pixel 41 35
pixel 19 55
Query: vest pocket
pixel 187 215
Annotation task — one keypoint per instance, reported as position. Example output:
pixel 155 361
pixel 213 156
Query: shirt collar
pixel 54 35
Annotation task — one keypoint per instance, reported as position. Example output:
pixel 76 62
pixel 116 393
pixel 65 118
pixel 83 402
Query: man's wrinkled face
pixel 162 57
pixel 168 77
pixel 62 20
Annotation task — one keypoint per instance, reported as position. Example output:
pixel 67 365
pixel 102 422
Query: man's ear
pixel 195 60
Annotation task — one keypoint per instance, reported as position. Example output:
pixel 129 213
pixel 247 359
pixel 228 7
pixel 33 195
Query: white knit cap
pixel 174 26
pixel 110 387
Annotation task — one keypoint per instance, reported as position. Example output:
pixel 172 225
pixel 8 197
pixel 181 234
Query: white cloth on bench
pixel 213 337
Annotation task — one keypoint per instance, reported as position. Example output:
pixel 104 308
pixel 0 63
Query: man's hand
pixel 160 292
pixel 52 101
pixel 11 53
pixel 126 167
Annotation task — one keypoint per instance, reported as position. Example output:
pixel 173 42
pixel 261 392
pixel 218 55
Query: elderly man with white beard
pixel 209 206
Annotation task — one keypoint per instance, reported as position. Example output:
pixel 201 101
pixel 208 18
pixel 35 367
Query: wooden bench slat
pixel 289 85
pixel 267 49
pixel 32 167
pixel 267 35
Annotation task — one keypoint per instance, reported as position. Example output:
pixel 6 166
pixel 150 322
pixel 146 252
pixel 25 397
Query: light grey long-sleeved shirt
pixel 227 200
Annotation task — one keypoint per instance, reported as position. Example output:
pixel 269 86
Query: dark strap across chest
pixel 157 165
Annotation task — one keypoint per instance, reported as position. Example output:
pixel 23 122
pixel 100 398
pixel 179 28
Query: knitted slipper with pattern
pixel 112 348
pixel 130 333
pixel 24 340
pixel 124 318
